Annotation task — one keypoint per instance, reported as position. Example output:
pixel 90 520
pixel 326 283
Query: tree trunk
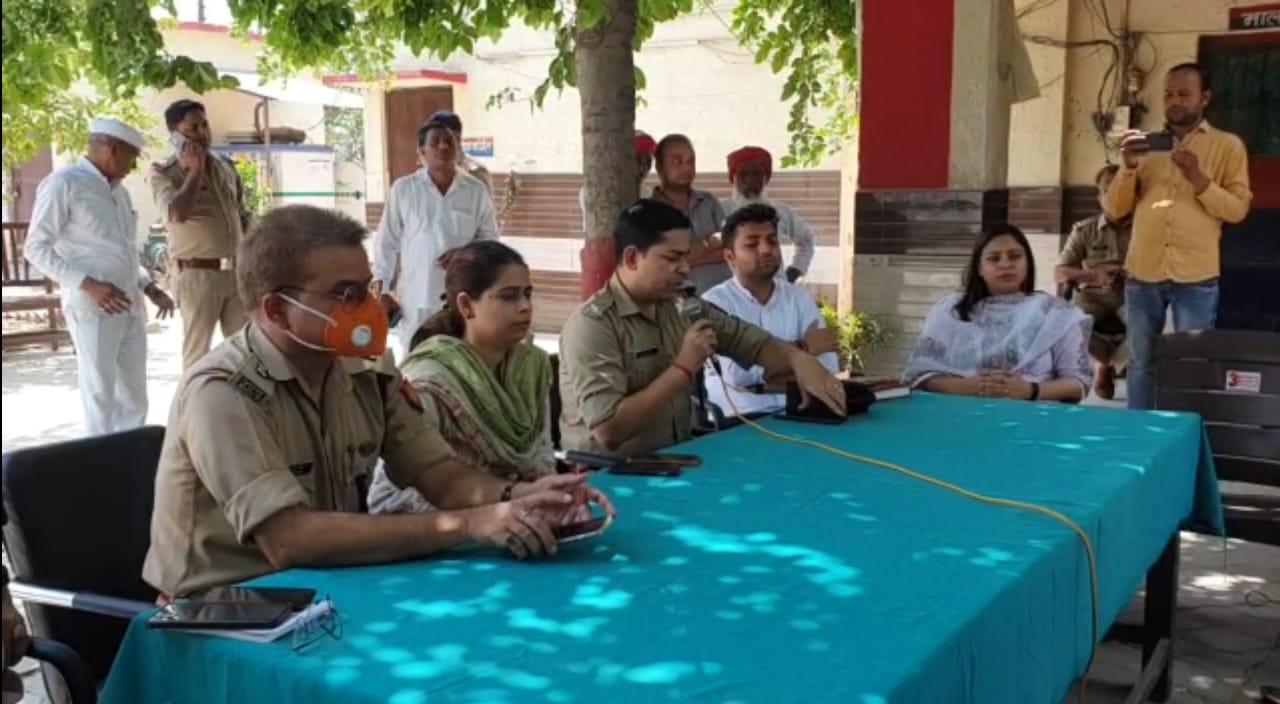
pixel 607 90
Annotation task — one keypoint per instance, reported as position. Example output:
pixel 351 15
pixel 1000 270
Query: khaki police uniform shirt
pixel 610 348
pixel 245 441
pixel 1094 243
pixel 215 226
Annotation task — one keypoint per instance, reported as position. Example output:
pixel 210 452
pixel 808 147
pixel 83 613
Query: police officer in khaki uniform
pixel 273 435
pixel 203 200
pixel 628 358
pixel 1093 260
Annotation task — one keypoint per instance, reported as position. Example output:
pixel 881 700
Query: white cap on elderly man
pixel 120 130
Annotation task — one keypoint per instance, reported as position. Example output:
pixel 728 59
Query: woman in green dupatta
pixel 479 381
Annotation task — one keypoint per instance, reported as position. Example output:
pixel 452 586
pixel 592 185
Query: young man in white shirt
pixel 83 235
pixel 750 170
pixel 757 295
pixel 428 214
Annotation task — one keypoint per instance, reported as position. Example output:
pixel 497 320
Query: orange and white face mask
pixel 358 330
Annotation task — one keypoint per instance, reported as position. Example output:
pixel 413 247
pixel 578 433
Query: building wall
pixel 1052 141
pixel 700 81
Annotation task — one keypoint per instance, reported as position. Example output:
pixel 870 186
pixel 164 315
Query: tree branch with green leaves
pixel 66 61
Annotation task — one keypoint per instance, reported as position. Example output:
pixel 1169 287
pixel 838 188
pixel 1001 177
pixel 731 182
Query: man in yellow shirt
pixel 1179 200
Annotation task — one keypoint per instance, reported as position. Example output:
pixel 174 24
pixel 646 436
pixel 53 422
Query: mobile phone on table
pixel 295 599
pixel 633 469
pixel 1159 141
pixel 664 458
pixel 195 614
pixel 591 461
pixel 580 530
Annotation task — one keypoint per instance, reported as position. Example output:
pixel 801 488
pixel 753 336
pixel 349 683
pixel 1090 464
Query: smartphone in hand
pixel 580 530
pixel 1159 141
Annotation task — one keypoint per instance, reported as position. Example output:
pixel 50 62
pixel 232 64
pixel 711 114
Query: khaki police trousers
pixel 206 298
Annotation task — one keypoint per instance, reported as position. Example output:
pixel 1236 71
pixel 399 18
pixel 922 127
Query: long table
pixel 772 573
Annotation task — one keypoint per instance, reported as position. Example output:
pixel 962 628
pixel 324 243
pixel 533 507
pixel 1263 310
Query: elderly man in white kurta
pixel 750 170
pixel 429 213
pixel 82 235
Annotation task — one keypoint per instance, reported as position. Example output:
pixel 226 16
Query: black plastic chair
pixel 1204 372
pixel 82 688
pixel 78 533
pixel 555 403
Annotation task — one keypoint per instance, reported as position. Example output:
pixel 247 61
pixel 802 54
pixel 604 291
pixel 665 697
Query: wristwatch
pixel 1035 391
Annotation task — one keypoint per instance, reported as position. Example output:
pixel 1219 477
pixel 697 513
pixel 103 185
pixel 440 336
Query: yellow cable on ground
pixel 981 498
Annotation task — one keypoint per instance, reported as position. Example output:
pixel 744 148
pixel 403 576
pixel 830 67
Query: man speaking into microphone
pixel 629 358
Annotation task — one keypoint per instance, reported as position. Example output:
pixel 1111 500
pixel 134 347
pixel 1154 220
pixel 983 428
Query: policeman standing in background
pixel 203 202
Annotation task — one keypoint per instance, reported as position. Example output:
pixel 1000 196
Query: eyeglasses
pixel 350 296
pixel 314 630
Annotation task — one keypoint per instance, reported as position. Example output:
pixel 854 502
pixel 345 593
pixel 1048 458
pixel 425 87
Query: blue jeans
pixel 1195 307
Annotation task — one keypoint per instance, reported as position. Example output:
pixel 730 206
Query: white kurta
pixel 787 315
pixel 418 225
pixel 84 226
pixel 792 229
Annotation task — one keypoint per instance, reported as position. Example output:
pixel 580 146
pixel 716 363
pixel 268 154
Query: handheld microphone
pixel 691 308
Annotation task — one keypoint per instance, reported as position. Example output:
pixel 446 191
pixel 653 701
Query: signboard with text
pixel 1255 17
pixel 477 146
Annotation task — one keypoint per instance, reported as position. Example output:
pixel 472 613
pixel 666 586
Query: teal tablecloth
pixel 773 573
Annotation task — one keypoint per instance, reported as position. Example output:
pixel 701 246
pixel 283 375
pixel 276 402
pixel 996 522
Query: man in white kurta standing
pixel 429 213
pixel 82 235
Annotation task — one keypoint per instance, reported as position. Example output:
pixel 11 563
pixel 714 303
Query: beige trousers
pixel 207 299
pixel 1105 309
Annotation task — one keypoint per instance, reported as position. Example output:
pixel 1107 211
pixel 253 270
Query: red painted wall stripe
pixel 905 133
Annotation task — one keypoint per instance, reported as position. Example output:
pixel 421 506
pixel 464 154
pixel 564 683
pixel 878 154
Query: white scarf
pixel 1006 333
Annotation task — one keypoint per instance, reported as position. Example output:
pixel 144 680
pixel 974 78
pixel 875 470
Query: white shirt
pixel 420 224
pixel 82 226
pixel 787 315
pixel 791 228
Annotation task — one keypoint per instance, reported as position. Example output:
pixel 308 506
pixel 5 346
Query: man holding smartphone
pixel 1179 200
pixel 202 199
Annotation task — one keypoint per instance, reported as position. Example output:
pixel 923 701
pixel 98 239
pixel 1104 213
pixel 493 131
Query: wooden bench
pixel 19 274
pixel 1232 379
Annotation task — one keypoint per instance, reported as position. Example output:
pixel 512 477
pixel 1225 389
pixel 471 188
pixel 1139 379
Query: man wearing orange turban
pixel 750 169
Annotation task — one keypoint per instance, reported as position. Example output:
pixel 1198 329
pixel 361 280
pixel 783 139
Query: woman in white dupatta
pixel 999 337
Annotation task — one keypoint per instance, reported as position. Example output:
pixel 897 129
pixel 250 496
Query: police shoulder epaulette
pixel 598 305
pixel 252 380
